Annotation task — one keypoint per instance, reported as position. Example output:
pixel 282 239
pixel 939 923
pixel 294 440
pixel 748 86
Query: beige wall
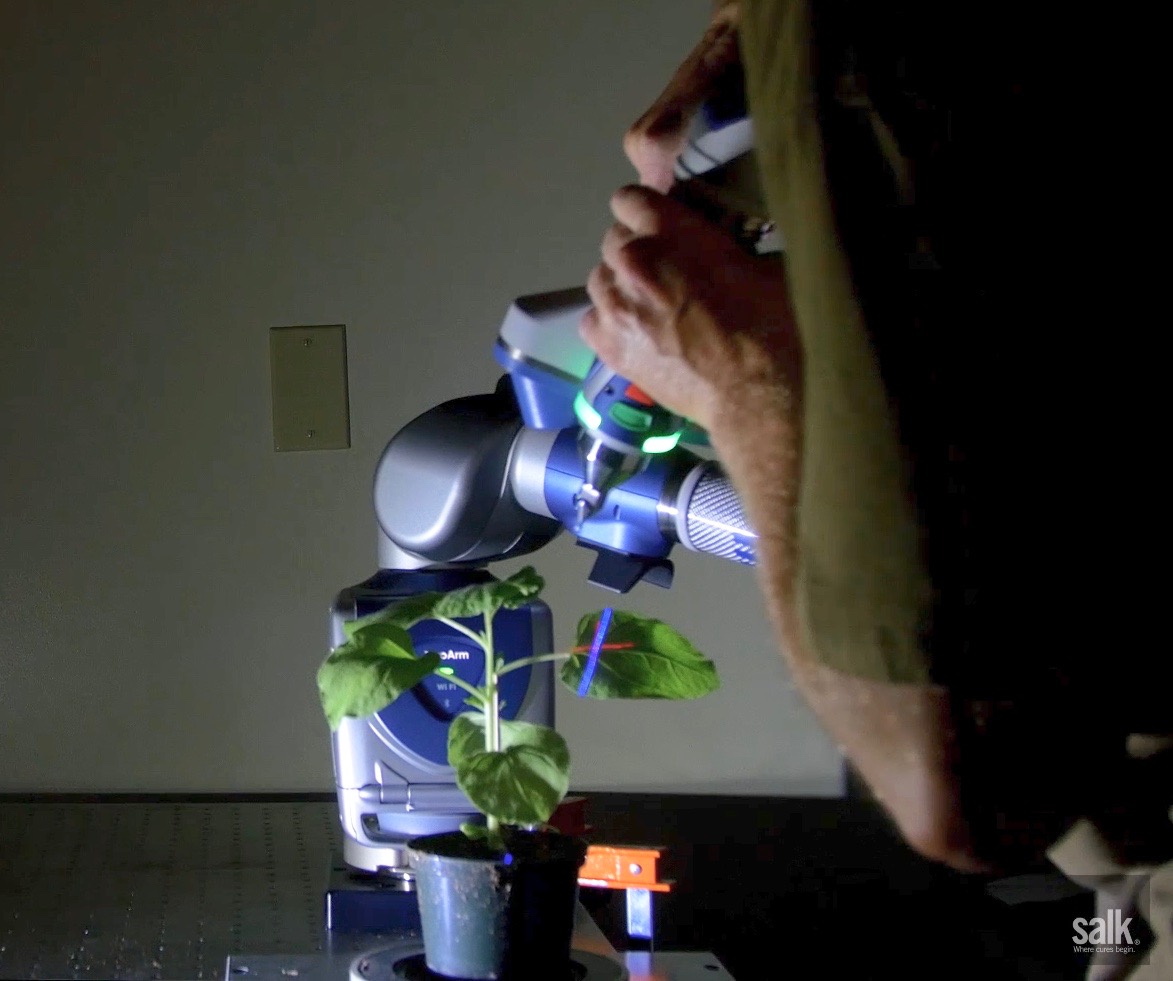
pixel 175 179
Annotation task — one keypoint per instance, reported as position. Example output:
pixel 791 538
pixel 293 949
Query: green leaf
pixel 466 736
pixel 489 597
pixel 468 601
pixel 370 671
pixel 403 613
pixel 474 832
pixel 653 660
pixel 524 782
pixel 480 833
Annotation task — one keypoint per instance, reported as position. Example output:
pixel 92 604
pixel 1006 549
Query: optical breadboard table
pixel 185 890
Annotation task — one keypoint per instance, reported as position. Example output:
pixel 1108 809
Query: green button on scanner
pixel 632 418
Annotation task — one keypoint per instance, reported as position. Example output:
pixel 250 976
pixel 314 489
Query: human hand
pixel 655 140
pixel 703 327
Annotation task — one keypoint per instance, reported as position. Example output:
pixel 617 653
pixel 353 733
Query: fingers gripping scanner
pixel 622 429
pixel 562 443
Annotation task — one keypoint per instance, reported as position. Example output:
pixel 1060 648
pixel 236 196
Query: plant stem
pixel 525 662
pixel 471 634
pixel 492 702
pixel 471 689
pixel 492 731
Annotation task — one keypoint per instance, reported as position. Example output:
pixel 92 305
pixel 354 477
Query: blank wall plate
pixel 311 399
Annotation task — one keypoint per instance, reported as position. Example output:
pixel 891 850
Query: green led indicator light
pixel 587 414
pixel 446 670
pixel 662 444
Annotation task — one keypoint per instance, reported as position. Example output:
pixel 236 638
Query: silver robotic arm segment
pixel 442 490
pixel 527 469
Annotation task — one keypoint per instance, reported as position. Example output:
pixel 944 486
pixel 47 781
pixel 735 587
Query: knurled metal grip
pixel 710 517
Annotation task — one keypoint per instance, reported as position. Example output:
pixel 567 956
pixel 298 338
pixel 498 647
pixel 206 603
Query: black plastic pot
pixel 493 916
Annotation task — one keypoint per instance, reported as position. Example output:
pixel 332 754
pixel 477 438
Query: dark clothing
pixel 919 158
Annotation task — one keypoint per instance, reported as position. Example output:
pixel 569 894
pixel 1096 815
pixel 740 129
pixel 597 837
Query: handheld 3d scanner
pixel 496 476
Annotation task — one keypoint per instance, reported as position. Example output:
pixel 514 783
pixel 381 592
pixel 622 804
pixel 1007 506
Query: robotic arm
pixel 489 477
pixel 562 444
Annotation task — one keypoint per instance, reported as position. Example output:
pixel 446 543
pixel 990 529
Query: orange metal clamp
pixel 623 867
